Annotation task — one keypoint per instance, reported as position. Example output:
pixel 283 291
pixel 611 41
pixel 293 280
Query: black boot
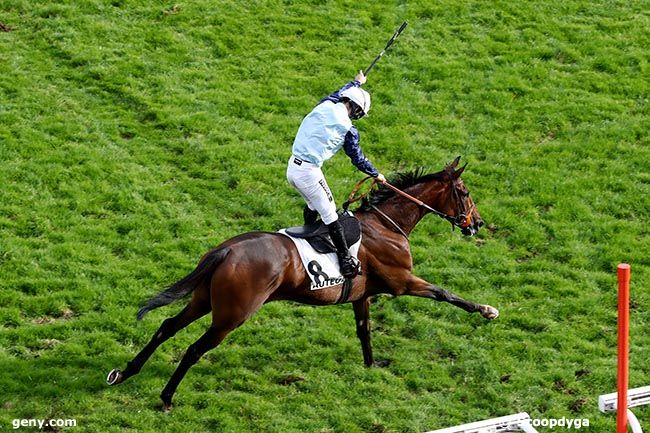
pixel 350 267
pixel 310 216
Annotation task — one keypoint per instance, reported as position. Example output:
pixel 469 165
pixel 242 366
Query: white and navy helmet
pixel 360 98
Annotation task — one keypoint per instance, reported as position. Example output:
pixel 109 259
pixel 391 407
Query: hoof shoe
pixel 114 377
pixel 489 312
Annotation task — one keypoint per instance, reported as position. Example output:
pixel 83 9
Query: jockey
pixel 323 132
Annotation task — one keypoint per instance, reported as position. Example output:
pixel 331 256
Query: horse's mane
pixel 401 181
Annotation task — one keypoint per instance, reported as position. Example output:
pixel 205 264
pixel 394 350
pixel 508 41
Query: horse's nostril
pixel 480 223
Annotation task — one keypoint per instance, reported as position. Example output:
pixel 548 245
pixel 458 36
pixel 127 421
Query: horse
pixel 235 279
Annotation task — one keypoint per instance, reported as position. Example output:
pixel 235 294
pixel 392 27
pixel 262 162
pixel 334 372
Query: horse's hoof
pixel 114 377
pixel 489 312
pixel 167 403
pixel 167 406
pixel 381 363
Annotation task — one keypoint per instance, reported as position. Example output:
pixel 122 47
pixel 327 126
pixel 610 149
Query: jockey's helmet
pixel 359 98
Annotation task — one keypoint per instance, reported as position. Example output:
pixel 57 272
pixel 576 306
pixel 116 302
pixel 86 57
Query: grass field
pixel 135 135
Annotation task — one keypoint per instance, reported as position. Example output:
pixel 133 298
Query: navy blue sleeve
pixel 353 150
pixel 336 96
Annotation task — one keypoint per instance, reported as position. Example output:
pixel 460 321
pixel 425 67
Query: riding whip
pixel 390 42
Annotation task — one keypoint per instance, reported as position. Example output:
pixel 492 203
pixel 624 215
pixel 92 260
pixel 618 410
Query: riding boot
pixel 310 216
pixel 350 267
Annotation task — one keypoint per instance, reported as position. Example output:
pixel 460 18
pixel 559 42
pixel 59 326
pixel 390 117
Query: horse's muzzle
pixel 473 228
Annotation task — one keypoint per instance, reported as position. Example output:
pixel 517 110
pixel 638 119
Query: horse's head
pixel 443 194
pixel 460 208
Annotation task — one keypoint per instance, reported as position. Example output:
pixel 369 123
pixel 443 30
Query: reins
pixel 351 197
pixel 419 202
pixel 390 220
pixel 463 220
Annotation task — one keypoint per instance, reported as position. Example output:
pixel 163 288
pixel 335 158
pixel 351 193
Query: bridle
pixel 462 220
pixel 464 217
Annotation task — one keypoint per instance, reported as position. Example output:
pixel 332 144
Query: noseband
pixel 463 218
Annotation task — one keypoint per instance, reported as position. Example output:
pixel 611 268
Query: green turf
pixel 134 136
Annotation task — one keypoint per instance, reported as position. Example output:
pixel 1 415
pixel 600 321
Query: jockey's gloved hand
pixel 380 178
pixel 360 77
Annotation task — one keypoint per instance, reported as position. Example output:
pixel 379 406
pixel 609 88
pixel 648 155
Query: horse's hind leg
pixel 232 305
pixel 211 339
pixel 196 309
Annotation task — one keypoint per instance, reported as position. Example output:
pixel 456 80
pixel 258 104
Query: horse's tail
pixel 202 273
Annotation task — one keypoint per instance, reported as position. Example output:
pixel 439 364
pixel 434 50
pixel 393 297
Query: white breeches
pixel 308 179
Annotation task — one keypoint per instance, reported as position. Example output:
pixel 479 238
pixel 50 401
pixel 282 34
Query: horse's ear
pixel 459 172
pixel 455 163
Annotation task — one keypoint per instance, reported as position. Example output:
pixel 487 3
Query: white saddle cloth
pixel 323 269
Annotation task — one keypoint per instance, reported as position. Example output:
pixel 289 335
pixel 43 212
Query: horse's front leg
pixel 418 287
pixel 362 319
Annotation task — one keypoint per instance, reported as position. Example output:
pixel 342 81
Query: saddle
pixel 318 236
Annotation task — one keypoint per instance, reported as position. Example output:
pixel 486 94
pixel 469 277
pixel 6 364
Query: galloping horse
pixel 236 278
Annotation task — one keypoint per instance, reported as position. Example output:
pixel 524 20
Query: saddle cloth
pixel 323 268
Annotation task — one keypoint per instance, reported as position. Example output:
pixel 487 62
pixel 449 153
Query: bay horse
pixel 238 277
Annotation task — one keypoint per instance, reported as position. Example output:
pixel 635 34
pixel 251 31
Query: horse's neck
pixel 407 214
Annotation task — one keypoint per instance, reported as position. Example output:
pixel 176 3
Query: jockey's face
pixel 354 111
